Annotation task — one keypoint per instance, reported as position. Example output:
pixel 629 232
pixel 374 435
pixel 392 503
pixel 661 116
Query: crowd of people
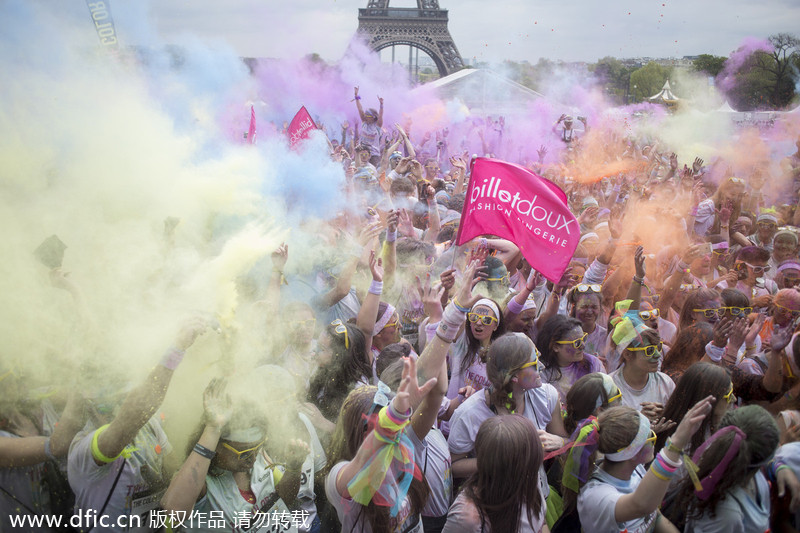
pixel 419 385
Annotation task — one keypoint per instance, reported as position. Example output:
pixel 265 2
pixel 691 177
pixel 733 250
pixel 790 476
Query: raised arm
pixel 651 490
pixel 399 409
pixel 143 401
pixel 358 104
pixel 189 484
pixel 368 313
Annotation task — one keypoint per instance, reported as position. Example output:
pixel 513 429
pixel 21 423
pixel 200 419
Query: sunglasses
pixel 341 329
pixel 729 397
pixel 647 315
pixel 790 281
pixel 392 324
pixel 739 181
pixel 240 453
pixel 617 396
pixel 651 439
pixel 739 311
pixel 310 323
pixel 583 287
pixel 720 252
pixel 756 269
pixel 767 225
pixel 531 363
pixel 711 313
pixel 653 350
pixel 577 343
pixel 795 314
pixel 486 320
pixel 686 287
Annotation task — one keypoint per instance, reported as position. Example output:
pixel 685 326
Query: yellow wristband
pixel 96 453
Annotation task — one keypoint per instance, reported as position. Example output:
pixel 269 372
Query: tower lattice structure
pixel 423 27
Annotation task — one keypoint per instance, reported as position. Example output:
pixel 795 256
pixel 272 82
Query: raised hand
pixel 369 233
pixel 638 261
pixel 375 266
pixel 217 408
pixel 697 165
pixel 691 422
pixel 409 392
pixel 406 227
pixel 721 331
pixel 431 297
pixel 280 256
pixel 541 152
pixel 448 279
pixel 780 339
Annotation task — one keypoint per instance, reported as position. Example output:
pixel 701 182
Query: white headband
pixel 636 444
pixel 609 386
pixel 488 303
pixel 383 320
pixel 252 434
pixel 590 235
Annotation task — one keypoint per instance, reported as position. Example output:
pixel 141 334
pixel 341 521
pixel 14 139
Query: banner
pixel 513 203
pixel 251 133
pixel 301 127
pixel 103 23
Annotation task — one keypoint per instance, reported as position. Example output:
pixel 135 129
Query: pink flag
pixel 301 127
pixel 512 202
pixel 251 133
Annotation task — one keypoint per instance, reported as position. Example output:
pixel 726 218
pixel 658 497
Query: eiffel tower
pixel 424 28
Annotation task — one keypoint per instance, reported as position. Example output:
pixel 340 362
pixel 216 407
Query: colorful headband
pixel 709 482
pixel 488 303
pixel 585 440
pixel 636 444
pixel 720 246
pixel 627 325
pixel 530 303
pixel 384 319
pixel 768 214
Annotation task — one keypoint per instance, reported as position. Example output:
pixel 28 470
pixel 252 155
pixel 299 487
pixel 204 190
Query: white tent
pixel 726 108
pixel 665 95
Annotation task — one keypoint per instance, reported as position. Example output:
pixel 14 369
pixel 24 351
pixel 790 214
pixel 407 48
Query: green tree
pixel 764 81
pixel 648 80
pixel 615 76
pixel 710 64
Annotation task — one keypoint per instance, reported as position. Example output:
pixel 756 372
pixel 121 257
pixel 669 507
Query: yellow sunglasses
pixel 531 363
pixel 729 397
pixel 340 329
pixel 577 343
pixel 486 320
pixel 649 351
pixel 651 439
pixel 739 311
pixel 647 315
pixel 617 396
pixel 239 453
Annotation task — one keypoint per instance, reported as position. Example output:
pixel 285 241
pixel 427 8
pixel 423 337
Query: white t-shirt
pixel 24 487
pixel 140 484
pixel 475 376
pixel 464 517
pixel 737 512
pixel 658 389
pixel 350 513
pixel 597 504
pixel 237 514
pixel 433 458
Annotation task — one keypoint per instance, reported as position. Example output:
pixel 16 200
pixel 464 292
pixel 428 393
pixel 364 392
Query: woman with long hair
pixel 620 494
pixel 343 363
pixel 590 396
pixel 701 305
pixel 689 348
pixel 516 388
pixel 562 341
pixel 496 497
pixel 733 494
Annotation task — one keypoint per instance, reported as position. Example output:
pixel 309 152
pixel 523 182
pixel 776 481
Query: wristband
pixel 669 462
pixel 47 451
pixel 391 236
pixel 172 358
pixel 671 447
pixel 640 281
pixel 514 307
pixel 452 318
pixel 357 97
pixel 202 451
pixel 389 422
pixel 376 287
pixel 460 307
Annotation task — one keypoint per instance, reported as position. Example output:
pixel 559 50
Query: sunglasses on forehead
pixel 584 287
pixel 785 309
